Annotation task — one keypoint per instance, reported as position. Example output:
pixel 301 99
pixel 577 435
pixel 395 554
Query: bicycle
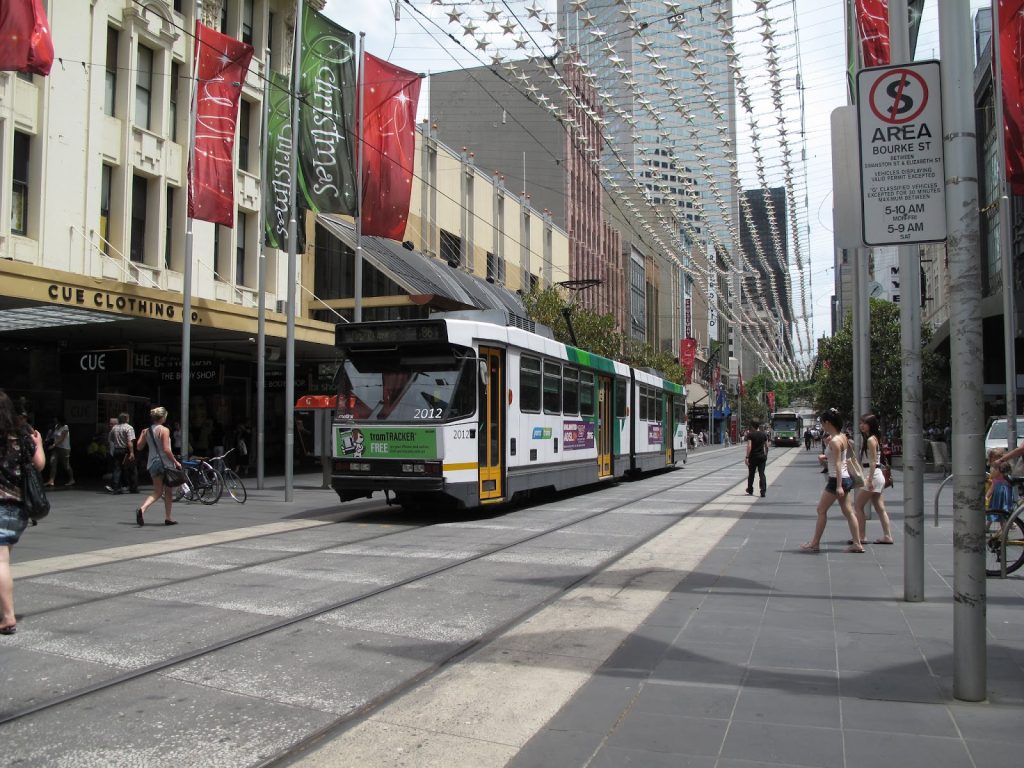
pixel 1005 528
pixel 202 482
pixel 229 478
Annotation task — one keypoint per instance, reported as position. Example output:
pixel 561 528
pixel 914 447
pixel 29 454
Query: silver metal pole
pixel 857 255
pixel 910 338
pixel 1005 243
pixel 357 273
pixel 289 374
pixel 261 289
pixel 962 250
pixel 186 288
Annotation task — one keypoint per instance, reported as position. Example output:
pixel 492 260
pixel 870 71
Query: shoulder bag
pixel 173 477
pixel 33 496
pixel 854 470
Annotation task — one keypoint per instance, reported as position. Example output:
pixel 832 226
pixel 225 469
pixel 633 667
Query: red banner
pixel 1011 65
pixel 873 31
pixel 389 144
pixel 25 42
pixel 221 69
pixel 771 402
pixel 687 354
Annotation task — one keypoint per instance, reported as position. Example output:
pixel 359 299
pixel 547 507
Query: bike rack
pixel 937 492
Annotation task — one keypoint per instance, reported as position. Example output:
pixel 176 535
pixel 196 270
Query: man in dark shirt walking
pixel 757 456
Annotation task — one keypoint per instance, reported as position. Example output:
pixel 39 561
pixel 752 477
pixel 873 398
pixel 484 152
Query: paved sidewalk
pixel 767 656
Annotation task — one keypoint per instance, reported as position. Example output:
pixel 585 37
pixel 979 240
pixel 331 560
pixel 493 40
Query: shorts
pixel 12 522
pixel 877 481
pixel 830 486
pixel 155 469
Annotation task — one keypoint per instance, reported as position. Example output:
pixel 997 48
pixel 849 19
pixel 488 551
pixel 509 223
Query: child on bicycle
pixel 998 493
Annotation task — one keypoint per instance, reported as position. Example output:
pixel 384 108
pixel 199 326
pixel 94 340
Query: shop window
pixel 240 248
pixel 451 248
pixel 175 84
pixel 140 193
pixel 586 393
pixel 247 21
pixel 552 387
pixel 144 88
pixel 110 79
pixel 106 175
pixel 19 184
pixel 570 391
pixel 529 384
pixel 224 17
pixel 244 123
pixel 169 229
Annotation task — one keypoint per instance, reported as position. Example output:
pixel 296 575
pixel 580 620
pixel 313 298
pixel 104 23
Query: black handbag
pixel 33 497
pixel 173 477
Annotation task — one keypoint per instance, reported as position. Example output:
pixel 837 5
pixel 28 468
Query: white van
pixel 996 435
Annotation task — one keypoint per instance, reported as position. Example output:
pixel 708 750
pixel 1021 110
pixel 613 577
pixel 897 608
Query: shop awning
pixel 420 275
pixel 695 393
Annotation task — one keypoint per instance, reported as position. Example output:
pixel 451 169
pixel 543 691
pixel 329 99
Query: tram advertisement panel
pixel 577 435
pixel 654 434
pixel 386 442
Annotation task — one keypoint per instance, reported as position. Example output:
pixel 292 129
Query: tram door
pixel 605 425
pixel 668 434
pixel 492 421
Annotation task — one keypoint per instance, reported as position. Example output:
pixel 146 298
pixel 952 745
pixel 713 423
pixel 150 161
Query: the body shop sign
pixel 386 442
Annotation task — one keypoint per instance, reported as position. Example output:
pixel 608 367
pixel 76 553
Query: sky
pixel 810 35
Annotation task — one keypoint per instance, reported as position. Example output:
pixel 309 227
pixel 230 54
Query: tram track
pixel 423 574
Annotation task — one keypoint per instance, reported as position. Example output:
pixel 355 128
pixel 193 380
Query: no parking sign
pixel 899 114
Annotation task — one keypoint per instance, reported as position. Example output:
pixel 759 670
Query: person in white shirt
pixel 121 444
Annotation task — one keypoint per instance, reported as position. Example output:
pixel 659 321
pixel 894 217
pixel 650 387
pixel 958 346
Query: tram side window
pixel 529 384
pixel 552 387
pixel 643 403
pixel 620 398
pixel 659 407
pixel 586 393
pixel 571 391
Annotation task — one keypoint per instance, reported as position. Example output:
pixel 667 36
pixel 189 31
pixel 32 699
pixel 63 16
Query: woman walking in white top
pixel 838 486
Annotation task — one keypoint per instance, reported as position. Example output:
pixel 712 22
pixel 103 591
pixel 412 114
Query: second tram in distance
pixel 465 409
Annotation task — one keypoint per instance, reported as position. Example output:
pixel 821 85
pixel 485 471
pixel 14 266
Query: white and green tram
pixel 471 408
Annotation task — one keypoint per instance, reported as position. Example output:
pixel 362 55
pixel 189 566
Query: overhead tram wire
pixel 725 313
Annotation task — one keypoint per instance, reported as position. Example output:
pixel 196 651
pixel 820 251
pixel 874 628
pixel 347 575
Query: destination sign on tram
pixel 899 113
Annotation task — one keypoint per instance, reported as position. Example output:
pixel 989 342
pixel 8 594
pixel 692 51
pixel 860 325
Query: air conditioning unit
pixel 282 306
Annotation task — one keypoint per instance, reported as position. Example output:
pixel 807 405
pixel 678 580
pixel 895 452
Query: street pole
pixel 910 337
pixel 261 289
pixel 1005 242
pixel 289 374
pixel 966 356
pixel 186 278
pixel 357 270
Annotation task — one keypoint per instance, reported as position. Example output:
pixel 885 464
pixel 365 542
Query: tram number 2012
pixel 428 413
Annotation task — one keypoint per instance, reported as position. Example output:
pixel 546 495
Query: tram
pixel 472 408
pixel 787 428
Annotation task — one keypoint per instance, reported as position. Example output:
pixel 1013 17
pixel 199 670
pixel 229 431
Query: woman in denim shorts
pixel 17 443
pixel 838 486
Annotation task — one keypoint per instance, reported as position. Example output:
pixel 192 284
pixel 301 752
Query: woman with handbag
pixel 874 480
pixel 20 446
pixel 838 486
pixel 158 440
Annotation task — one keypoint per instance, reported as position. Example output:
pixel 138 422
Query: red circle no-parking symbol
pixel 898 96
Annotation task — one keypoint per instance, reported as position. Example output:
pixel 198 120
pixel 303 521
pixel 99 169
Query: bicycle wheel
pixel 187 490
pixel 1014 545
pixel 233 484
pixel 208 485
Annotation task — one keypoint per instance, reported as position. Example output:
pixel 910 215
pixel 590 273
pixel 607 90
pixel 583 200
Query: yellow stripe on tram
pixel 457 467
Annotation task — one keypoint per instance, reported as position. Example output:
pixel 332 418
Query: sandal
pixel 883 541
pixel 855 550
pixel 808 548
pixel 9 630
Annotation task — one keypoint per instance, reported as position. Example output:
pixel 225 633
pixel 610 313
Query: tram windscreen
pixel 404 387
pixel 784 424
